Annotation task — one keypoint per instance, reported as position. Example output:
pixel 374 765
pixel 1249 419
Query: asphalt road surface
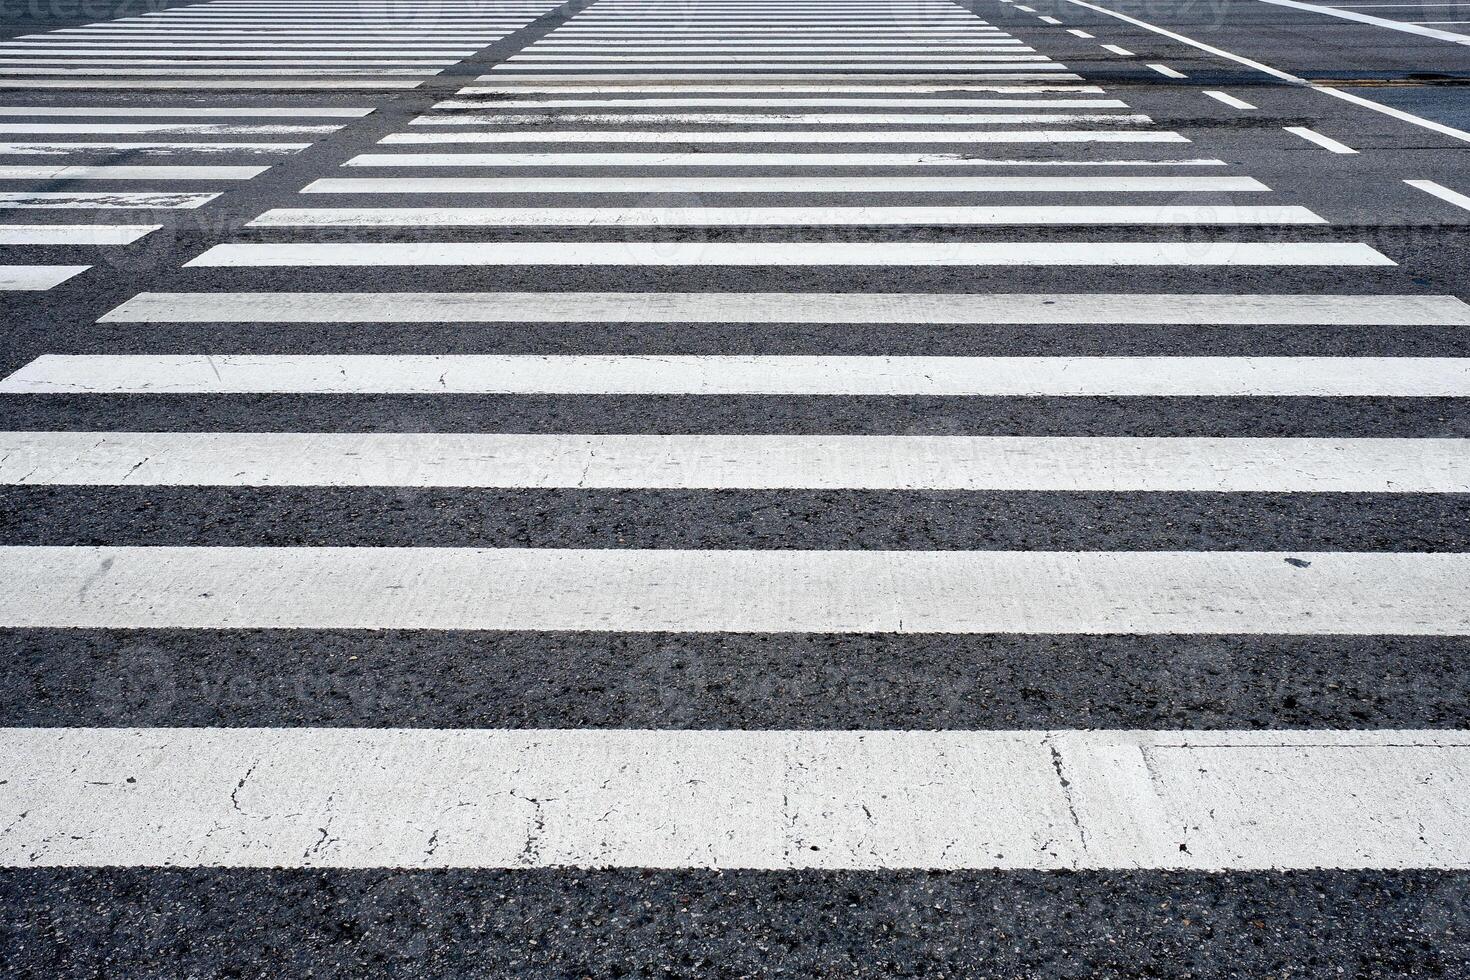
pixel 734 489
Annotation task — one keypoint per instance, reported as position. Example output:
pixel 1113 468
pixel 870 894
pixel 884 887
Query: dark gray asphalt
pixel 125 923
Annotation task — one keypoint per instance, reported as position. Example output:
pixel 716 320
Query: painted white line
pixel 72 172
pixel 690 90
pixel 742 159
pixel 73 234
pixel 1229 100
pixel 1016 67
pixel 104 200
pixel 978 309
pixel 777 105
pixel 789 136
pixel 780 591
pixel 826 215
pixel 1358 100
pixel 1048 20
pixel 1077 33
pixel 790 254
pixel 628 374
pixel 1326 142
pixel 263 112
pixel 797 81
pixel 73 148
pixel 211 83
pixel 783 118
pixel 767 800
pixel 1030 183
pixel 1232 465
pixel 1115 49
pixel 1168 72
pixel 196 129
pixel 1443 193
pixel 1393 25
pixel 214 72
pixel 35 278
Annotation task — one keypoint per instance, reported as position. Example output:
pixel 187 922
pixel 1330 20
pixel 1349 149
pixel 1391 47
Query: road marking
pixel 104 200
pixel 979 309
pixel 827 215
pixel 211 83
pixel 1048 20
pixel 753 118
pixel 737 591
pixel 1077 33
pixel 1030 183
pixel 73 234
pixel 1326 142
pixel 1399 114
pixel 1069 464
pixel 1167 72
pixel 610 84
pixel 793 254
pixel 741 159
pixel 73 148
pixel 1115 49
pixel 245 111
pixel 198 129
pixel 1229 100
pixel 1443 193
pixel 710 374
pixel 771 105
pixel 36 278
pixel 1393 25
pixel 72 172
pixel 1041 800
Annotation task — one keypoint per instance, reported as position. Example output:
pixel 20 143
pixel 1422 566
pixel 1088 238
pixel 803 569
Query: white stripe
pixel 1393 25
pixel 720 102
pixel 798 81
pixel 210 83
pixel 203 129
pixel 70 148
pixel 831 308
pixel 733 462
pixel 357 798
pixel 1326 142
pixel 1229 100
pixel 625 217
pixel 783 591
pixel 690 89
pixel 73 234
pixel 104 200
pixel 1014 70
pixel 744 159
pixel 1077 33
pixel 697 374
pixel 243 72
pixel 678 57
pixel 751 118
pixel 785 185
pixel 37 277
pixel 1443 193
pixel 1115 49
pixel 304 112
pixel 1168 72
pixel 128 173
pixel 659 253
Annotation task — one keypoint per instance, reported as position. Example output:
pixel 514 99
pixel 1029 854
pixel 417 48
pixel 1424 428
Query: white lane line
pixel 1077 33
pixel 698 374
pixel 791 254
pixel 741 159
pixel 978 309
pixel 1232 465
pixel 211 83
pixel 1031 183
pixel 1048 20
pixel 1167 72
pixel 779 118
pixel 796 81
pixel 1011 69
pixel 1229 100
pixel 775 105
pixel 765 800
pixel 71 148
pixel 1326 142
pixel 92 112
pixel 73 234
pixel 35 278
pixel 782 591
pixel 1115 49
pixel 103 172
pixel 178 128
pixel 104 200
pixel 826 215
pixel 1443 193
pixel 1393 25
pixel 611 86
pixel 1358 100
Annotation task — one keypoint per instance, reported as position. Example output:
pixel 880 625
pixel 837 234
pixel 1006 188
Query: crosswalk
pixel 752 265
